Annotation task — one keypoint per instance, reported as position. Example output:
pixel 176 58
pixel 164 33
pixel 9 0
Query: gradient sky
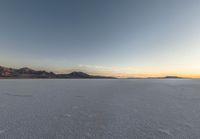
pixel 112 37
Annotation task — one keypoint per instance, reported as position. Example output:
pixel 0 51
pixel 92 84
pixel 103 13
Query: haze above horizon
pixel 123 38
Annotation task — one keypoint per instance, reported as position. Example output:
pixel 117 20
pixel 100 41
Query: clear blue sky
pixel 116 37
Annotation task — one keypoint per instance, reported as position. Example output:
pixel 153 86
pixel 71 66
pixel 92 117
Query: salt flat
pixel 100 109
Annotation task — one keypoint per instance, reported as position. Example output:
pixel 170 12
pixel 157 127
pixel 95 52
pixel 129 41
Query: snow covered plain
pixel 100 109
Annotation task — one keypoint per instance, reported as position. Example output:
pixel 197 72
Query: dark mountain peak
pixel 1 67
pixel 167 77
pixel 78 74
pixel 6 72
pixel 26 70
pixel 172 77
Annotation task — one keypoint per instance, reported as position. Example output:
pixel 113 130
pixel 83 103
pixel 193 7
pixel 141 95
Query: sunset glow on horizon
pixel 128 38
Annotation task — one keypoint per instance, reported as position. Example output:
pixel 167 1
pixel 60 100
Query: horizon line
pixel 140 75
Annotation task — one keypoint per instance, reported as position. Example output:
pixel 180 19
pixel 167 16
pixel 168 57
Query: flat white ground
pixel 100 109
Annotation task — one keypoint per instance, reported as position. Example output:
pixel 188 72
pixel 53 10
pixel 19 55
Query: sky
pixel 123 38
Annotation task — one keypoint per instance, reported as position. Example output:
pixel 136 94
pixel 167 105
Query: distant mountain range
pixel 30 73
pixel 165 77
